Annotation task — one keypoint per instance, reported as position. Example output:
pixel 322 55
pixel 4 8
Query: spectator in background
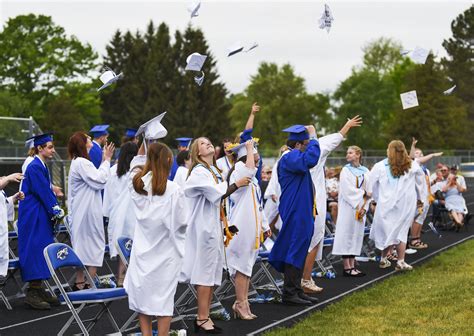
pixel 454 201
pixel 226 158
pixel 265 179
pixel 332 189
pixel 184 163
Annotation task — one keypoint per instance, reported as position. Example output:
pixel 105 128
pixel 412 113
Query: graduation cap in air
pixel 419 55
pixel 199 80
pixel 240 150
pixel 193 8
pixel 153 129
pixel 184 142
pixel 108 78
pixel 252 46
pixel 449 91
pixel 130 132
pixel 325 22
pixel 99 130
pixel 297 133
pixel 39 140
pixel 195 61
pixel 235 49
pixel 409 99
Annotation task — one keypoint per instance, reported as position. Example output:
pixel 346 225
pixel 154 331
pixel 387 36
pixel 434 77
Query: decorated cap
pixel 184 142
pixel 99 130
pixel 297 133
pixel 246 135
pixel 130 132
pixel 240 150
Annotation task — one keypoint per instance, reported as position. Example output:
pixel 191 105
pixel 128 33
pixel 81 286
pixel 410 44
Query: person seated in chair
pixel 455 202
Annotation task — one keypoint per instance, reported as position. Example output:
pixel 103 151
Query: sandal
pixel 391 257
pixel 75 288
pixel 417 244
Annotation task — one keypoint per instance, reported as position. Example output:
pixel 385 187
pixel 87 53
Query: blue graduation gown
pixel 174 169
pixel 35 228
pixel 95 154
pixel 296 207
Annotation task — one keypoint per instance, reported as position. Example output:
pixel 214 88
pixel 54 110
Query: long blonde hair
pixel 398 159
pixel 196 159
pixel 357 150
pixel 159 160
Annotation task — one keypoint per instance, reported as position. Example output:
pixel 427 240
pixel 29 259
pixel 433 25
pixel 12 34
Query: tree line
pixel 51 76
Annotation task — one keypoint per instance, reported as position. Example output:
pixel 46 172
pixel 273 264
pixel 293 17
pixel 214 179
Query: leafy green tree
pixel 13 105
pixel 460 62
pixel 284 101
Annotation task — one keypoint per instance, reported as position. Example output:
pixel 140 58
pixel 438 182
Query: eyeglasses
pixel 444 170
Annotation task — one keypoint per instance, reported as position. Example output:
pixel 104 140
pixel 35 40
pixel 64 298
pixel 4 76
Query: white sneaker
pixel 403 266
pixel 384 263
pixel 309 287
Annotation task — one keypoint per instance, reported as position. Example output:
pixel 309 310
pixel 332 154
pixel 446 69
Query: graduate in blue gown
pixel 36 216
pixel 183 144
pixel 297 211
pixel 246 135
pixel 100 134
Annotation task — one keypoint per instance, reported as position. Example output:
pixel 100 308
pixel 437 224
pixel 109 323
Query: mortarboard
pixel 130 132
pixel 99 130
pixel 235 49
pixel 449 91
pixel 325 22
pixel 41 139
pixel 409 99
pixel 297 133
pixel 108 78
pixel 241 150
pixel 195 61
pixel 246 135
pixel 153 129
pixel 193 8
pixel 30 142
pixel 419 55
pixel 184 142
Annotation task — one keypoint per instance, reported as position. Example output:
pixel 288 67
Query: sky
pixel 286 31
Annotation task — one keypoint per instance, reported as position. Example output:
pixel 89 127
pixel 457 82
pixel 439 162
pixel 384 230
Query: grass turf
pixel 436 298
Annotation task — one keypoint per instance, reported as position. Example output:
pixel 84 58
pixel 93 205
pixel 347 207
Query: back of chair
pixel 59 255
pixel 124 247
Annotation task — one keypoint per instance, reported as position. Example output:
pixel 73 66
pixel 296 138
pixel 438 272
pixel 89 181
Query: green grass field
pixel 436 298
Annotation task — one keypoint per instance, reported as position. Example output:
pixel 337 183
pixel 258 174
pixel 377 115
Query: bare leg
pixel 164 323
pixel 145 324
pixel 204 295
pixel 386 251
pixel 401 250
pixel 416 231
pixel 309 263
pixel 347 263
pixel 241 288
pixel 80 279
pixel 92 271
pixel 121 273
pixel 334 212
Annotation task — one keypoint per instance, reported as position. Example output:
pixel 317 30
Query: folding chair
pixel 13 267
pixel 263 279
pixel 60 255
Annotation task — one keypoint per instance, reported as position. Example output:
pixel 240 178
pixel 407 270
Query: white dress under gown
pixel 157 250
pixel 117 206
pixel 349 233
pixel 327 144
pixel 85 209
pixel 204 248
pixel 249 218
pixel 396 203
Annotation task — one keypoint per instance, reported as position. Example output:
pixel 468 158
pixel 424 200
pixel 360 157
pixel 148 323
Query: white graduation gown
pixel 157 251
pixel 224 165
pixel 181 175
pixel 117 206
pixel 6 214
pixel 327 144
pixel 425 195
pixel 396 203
pixel 85 209
pixel 249 218
pixel 349 233
pixel 204 248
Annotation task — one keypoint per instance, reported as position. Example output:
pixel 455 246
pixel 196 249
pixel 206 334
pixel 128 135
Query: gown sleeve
pixel 41 188
pixel 372 185
pixel 96 178
pixel 300 162
pixel 200 182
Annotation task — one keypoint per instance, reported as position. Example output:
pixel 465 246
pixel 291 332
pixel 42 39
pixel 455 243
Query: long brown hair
pixel 398 158
pixel 159 160
pixel 77 146
pixel 196 159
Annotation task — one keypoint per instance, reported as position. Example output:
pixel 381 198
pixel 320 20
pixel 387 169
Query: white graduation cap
pixel 153 129
pixel 108 78
pixel 195 61
pixel 449 91
pixel 235 49
pixel 405 52
pixel 419 55
pixel 325 22
pixel 253 46
pixel 199 80
pixel 193 8
pixel 409 99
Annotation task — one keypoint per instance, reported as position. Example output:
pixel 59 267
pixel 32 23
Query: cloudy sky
pixel 286 31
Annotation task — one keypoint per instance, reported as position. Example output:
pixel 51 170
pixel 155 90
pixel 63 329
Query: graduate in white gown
pixel 7 212
pixel 353 205
pixel 248 216
pixel 393 184
pixel 117 204
pixel 184 163
pixel 327 144
pixel 85 204
pixel 204 252
pixel 158 241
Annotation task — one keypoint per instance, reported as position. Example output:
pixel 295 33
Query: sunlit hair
pixel 398 159
pixel 196 159
pixel 77 146
pixel 32 151
pixel 128 151
pixel 159 160
pixel 356 150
